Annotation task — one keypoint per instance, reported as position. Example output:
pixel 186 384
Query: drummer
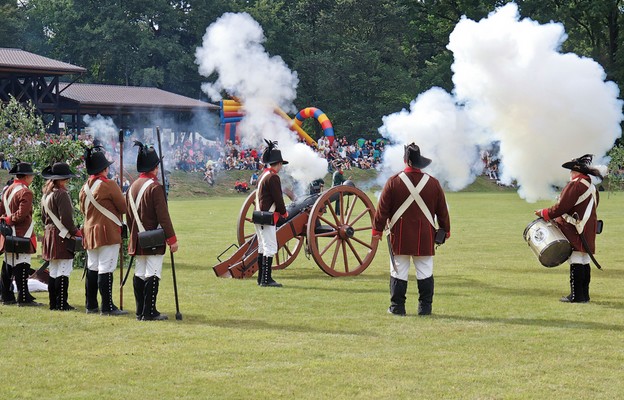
pixel 575 214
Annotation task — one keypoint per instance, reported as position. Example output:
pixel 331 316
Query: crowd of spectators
pixel 214 156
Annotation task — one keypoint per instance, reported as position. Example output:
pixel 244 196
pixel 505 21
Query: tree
pixel 24 138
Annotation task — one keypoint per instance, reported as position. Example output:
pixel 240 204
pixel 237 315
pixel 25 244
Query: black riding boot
pixel 52 293
pixel 267 280
pixel 576 285
pixel 24 299
pixel 6 284
pixel 91 292
pixel 260 269
pixel 425 295
pixel 398 289
pixel 62 290
pixel 151 293
pixel 139 296
pixel 105 285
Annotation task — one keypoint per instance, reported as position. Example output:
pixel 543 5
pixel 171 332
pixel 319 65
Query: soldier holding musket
pixel 408 205
pixel 57 215
pixel 270 206
pixel 575 215
pixel 150 231
pixel 102 204
pixel 16 209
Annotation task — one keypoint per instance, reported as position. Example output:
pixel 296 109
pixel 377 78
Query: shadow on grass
pixel 548 323
pixel 256 324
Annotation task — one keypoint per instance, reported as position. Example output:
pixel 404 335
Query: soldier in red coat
pixel 575 215
pixel 408 205
pixel 147 213
pixel 269 198
pixel 102 204
pixel 57 214
pixel 16 209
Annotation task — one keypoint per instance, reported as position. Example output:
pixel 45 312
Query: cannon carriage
pixel 332 227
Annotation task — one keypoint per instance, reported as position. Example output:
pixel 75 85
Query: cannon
pixel 334 227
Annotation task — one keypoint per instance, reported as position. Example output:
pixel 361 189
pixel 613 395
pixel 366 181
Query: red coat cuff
pixel 171 240
pixel 544 213
pixel 376 232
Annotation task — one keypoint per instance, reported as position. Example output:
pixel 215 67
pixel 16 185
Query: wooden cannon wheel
pixel 339 231
pixel 246 229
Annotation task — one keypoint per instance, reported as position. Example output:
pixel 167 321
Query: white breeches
pixel 267 240
pixel 14 259
pixel 146 266
pixel 579 257
pixel 103 259
pixel 61 268
pixel 423 264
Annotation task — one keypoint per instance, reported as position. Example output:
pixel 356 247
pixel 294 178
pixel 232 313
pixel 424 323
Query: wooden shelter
pixel 27 76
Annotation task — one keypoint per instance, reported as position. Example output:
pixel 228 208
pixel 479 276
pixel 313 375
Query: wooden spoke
pixel 350 254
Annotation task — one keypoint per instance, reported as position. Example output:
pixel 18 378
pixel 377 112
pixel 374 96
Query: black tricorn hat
pixel 147 159
pixel 95 160
pixel 271 155
pixel 582 165
pixel 413 158
pixel 22 168
pixel 58 171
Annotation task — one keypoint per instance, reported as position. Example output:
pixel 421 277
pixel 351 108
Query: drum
pixel 545 239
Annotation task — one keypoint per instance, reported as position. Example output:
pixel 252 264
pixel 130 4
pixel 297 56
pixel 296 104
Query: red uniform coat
pixel 271 193
pixel 98 229
pixel 54 246
pixel 412 234
pixel 21 207
pixel 569 196
pixel 152 210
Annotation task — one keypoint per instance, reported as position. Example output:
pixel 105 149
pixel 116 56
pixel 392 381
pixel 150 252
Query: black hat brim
pixel 574 166
pixel 22 173
pixel 44 175
pixel 93 172
pixel 422 162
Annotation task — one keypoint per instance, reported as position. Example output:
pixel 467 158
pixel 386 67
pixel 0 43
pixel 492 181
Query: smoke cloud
pixel 232 48
pixel 512 86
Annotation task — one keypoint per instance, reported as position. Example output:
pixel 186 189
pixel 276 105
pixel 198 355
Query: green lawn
pixel 498 330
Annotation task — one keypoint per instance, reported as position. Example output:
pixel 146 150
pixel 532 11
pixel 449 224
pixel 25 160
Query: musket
pixel 121 252
pixel 175 283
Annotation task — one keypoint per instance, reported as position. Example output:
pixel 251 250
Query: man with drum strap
pixel 16 209
pixel 147 213
pixel 102 204
pixel 407 206
pixel 270 200
pixel 575 214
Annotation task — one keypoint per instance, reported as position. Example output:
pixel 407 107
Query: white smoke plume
pixel 232 48
pixel 514 86
pixel 443 133
pixel 102 128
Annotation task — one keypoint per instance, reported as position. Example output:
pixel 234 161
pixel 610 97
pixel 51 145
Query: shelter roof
pixel 114 97
pixel 17 61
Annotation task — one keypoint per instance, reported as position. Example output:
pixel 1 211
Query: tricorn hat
pixel 147 159
pixel 271 155
pixel 58 171
pixel 22 168
pixel 95 160
pixel 582 165
pixel 413 158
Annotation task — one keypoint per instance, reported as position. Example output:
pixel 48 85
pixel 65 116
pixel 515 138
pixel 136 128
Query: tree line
pixel 357 60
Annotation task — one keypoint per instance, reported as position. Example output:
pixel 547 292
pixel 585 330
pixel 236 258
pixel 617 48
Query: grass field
pixel 498 330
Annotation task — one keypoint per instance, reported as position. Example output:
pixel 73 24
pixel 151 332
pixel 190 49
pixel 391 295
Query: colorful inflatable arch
pixel 232 113
pixel 313 112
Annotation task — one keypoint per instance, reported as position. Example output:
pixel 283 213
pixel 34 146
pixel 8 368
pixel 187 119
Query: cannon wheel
pixel 246 229
pixel 339 233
